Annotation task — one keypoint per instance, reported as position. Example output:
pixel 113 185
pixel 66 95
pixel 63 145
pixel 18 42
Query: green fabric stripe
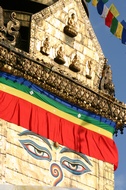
pixel 55 104
pixel 114 25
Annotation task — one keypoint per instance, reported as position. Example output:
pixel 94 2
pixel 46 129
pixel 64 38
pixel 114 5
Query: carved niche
pixel 71 28
pixel 45 49
pixel 74 66
pixel 60 56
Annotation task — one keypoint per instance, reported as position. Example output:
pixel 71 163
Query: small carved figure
pixel 60 53
pixel 71 28
pixel 60 56
pixel 71 21
pixel 45 49
pixel 74 66
pixel 88 69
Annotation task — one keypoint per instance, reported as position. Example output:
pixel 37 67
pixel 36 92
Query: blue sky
pixel 115 51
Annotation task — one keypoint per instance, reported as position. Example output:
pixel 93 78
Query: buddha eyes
pixel 36 151
pixel 76 167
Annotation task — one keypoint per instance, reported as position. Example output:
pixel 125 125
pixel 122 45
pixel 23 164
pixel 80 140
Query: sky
pixel 115 52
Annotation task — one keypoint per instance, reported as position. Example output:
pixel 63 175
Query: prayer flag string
pixel 110 15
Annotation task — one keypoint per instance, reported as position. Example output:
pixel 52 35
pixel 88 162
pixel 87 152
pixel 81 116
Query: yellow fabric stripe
pixel 53 110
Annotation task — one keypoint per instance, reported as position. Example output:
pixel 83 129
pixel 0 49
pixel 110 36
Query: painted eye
pixel 36 151
pixel 76 167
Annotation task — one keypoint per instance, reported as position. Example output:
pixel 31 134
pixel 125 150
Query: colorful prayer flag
pixel 108 19
pixel 119 30
pixel 114 10
pixel 94 2
pixel 100 7
pixel 104 1
pixel 123 23
pixel 88 1
pixel 110 14
pixel 105 11
pixel 114 25
pixel 124 36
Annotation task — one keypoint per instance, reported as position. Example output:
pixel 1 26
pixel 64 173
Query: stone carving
pixel 106 84
pixel 3 29
pixel 45 49
pixel 74 66
pixel 88 69
pixel 71 28
pixel 60 56
pixel 13 27
pixel 11 32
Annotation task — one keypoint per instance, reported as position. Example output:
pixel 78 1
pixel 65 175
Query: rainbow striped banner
pixel 35 109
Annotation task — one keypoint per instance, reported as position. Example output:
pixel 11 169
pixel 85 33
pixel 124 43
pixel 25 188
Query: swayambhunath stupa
pixel 58 111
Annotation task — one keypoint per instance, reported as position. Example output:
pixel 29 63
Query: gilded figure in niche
pixel 88 69
pixel 45 49
pixel 71 28
pixel 60 57
pixel 71 21
pixel 74 66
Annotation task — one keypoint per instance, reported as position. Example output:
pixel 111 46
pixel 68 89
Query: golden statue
pixel 74 66
pixel 60 56
pixel 71 28
pixel 71 21
pixel 45 49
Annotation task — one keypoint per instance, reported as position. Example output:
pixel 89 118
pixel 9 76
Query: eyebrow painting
pixel 64 150
pixel 27 132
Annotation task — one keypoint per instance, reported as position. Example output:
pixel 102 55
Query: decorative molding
pixel 12 29
pixel 20 63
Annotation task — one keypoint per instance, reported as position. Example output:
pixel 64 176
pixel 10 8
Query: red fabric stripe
pixel 108 19
pixel 44 123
